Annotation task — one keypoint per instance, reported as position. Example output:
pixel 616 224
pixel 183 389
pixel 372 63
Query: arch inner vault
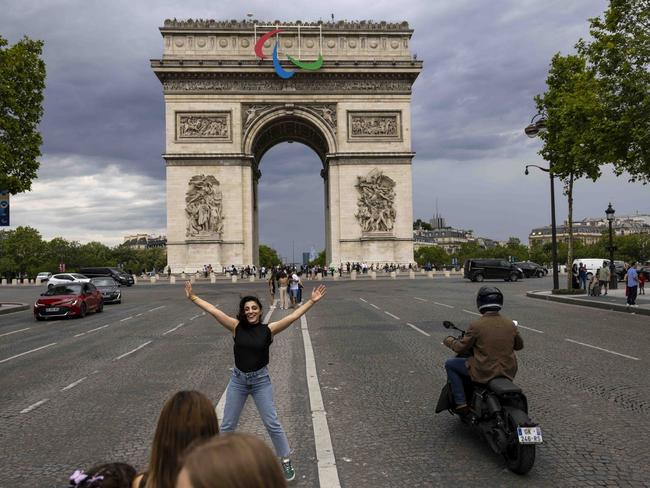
pixel 225 108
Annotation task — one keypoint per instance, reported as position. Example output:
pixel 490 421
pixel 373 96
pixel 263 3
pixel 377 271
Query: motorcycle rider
pixel 493 339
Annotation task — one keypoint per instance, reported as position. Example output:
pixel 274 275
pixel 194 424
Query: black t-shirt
pixel 252 344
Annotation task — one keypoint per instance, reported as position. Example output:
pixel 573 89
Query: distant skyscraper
pixel 312 253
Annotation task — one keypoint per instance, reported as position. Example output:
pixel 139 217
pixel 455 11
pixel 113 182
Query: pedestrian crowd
pixel 598 283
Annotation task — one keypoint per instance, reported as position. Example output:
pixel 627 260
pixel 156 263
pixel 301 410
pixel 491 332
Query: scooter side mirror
pixel 447 324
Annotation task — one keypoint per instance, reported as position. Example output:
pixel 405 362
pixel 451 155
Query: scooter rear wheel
pixel 519 457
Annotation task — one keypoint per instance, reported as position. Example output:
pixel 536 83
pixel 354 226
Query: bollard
pixel 192 279
pixel 412 274
pixel 353 275
pixel 430 274
pixel 172 280
pixel 4 281
pixel 447 274
pixel 233 278
pixel 336 277
pixel 373 275
pixel 14 281
pixel 251 278
pixel 393 275
pixel 157 276
pixel 213 278
pixel 319 276
pixel 152 279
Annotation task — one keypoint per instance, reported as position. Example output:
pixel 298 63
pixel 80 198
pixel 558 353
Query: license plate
pixel 529 435
pixel 52 309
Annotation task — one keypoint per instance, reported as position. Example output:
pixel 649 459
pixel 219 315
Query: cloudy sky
pixel 102 176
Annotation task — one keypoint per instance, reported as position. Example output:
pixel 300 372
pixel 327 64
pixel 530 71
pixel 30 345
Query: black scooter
pixel 499 411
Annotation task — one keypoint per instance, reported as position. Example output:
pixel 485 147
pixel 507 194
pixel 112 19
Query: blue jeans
pixel 456 369
pixel 258 384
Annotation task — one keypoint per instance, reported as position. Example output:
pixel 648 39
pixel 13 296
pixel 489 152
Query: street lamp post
pixel 613 278
pixel 538 125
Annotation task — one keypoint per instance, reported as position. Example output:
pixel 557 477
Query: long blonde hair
pixel 186 417
pixel 234 460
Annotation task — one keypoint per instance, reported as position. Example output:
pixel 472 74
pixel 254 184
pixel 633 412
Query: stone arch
pixel 283 123
pixel 225 107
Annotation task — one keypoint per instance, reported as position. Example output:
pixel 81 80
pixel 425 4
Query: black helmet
pixel 489 299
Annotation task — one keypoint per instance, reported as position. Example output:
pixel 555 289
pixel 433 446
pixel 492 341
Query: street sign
pixel 4 208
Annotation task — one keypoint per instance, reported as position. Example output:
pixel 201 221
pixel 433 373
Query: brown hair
pixel 234 460
pixel 111 475
pixel 186 417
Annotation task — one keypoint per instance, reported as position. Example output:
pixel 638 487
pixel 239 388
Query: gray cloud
pixel 483 63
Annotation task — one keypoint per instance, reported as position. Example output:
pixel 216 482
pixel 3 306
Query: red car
pixel 74 299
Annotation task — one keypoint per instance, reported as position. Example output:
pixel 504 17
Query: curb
pixel 605 306
pixel 19 307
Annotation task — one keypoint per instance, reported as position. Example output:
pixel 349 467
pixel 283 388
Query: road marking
pixel 394 316
pixel 195 317
pixel 134 350
pixel 162 306
pixel 363 300
pixel 138 315
pixel 92 330
pixel 127 318
pixel 530 328
pixel 72 385
pixel 14 332
pixel 469 311
pixel 418 329
pixel 601 349
pixel 373 305
pixel 175 328
pixel 27 352
pixel 421 299
pixel 443 305
pixel 327 473
pixel 221 404
pixel 36 405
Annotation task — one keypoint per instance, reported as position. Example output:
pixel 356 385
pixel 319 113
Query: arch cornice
pixel 276 113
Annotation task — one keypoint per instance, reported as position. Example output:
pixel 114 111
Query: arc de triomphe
pixel 226 105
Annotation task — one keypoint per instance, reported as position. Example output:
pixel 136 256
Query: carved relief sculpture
pixel 376 202
pixel 204 207
pixel 325 111
pixel 374 126
pixel 203 126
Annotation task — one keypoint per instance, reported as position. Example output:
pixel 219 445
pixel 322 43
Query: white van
pixel 592 264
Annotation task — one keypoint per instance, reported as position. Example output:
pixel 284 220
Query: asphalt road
pixel 81 391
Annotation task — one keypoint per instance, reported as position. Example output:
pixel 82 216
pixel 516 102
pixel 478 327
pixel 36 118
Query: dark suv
pixel 491 269
pixel 117 274
pixel 531 269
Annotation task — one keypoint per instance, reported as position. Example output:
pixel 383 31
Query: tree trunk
pixel 569 259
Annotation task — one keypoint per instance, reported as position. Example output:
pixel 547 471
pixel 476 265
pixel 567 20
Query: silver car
pixel 66 278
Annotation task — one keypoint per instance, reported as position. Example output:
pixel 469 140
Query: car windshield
pixel 103 282
pixel 64 290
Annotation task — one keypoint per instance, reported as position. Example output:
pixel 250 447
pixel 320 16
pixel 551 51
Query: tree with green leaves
pixel 22 81
pixel 320 259
pixel 432 254
pixel 573 140
pixel 619 53
pixel 269 256
pixel 421 224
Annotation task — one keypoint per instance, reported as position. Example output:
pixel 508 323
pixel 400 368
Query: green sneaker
pixel 287 469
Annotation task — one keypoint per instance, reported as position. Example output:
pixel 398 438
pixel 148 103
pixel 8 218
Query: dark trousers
pixel 631 294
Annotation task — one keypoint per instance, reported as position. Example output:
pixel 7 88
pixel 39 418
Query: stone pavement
pixel 614 300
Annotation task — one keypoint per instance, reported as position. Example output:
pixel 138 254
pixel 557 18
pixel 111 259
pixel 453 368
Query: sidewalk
pixel 614 300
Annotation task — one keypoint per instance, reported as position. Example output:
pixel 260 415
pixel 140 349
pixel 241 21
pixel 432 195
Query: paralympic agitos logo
pixel 281 72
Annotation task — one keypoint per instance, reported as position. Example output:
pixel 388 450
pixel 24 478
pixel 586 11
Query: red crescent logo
pixel 260 43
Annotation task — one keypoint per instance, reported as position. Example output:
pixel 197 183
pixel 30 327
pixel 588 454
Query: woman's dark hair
pixel 241 315
pixel 186 417
pixel 111 475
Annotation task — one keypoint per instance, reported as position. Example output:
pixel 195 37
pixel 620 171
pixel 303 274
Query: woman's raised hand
pixel 318 293
pixel 188 289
